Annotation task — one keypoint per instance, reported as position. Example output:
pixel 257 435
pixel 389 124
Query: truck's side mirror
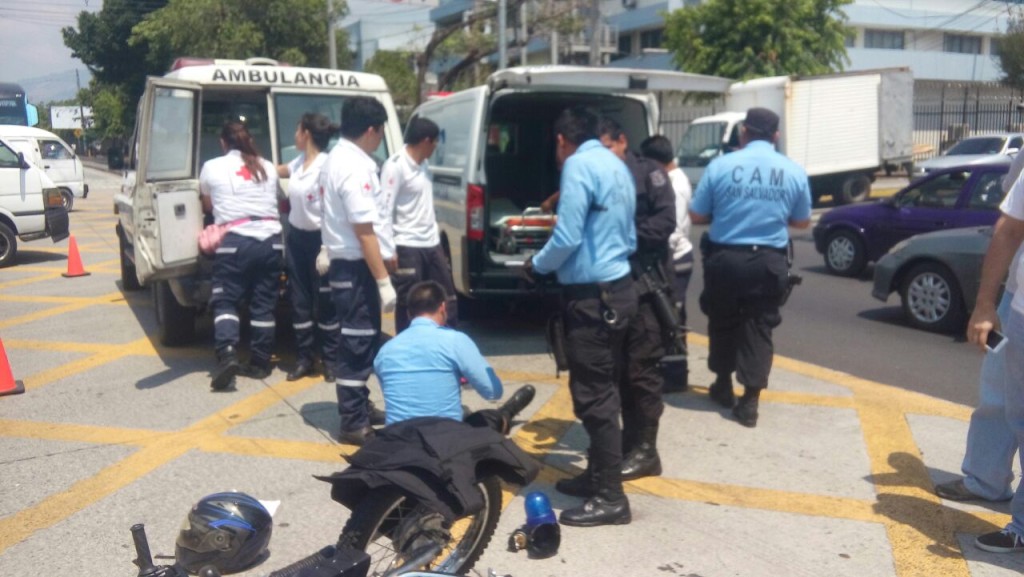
pixel 1012 151
pixel 22 162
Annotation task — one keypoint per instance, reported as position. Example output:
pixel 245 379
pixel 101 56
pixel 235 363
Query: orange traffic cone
pixel 75 267
pixel 8 386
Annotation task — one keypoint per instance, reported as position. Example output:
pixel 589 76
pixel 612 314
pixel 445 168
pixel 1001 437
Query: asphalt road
pixel 835 322
pixel 829 321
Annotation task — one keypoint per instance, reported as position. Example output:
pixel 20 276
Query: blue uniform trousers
pixel 311 299
pixel 246 268
pixel 357 302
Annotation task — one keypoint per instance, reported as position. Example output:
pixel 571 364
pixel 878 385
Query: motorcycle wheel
pixel 384 515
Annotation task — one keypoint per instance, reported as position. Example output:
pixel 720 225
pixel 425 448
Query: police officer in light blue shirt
pixel 750 197
pixel 589 251
pixel 419 369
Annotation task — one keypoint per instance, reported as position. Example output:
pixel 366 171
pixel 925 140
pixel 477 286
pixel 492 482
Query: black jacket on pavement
pixel 435 461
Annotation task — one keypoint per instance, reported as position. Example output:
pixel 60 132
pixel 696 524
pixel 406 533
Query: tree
pixel 118 69
pixel 1010 45
pixel 750 38
pixel 396 69
pixel 294 31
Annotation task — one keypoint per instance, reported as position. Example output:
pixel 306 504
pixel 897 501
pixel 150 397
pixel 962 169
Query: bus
pixel 14 108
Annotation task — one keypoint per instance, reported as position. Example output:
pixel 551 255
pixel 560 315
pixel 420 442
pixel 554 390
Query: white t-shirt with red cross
pixel 236 195
pixel 350 188
pixel 304 192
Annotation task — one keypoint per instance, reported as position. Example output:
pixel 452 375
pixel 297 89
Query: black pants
pixel 596 351
pixel 357 301
pixel 311 299
pixel 640 385
pixel 742 288
pixel 488 419
pixel 417 264
pixel 244 267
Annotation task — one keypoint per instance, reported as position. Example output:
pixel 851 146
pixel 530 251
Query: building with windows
pixel 946 40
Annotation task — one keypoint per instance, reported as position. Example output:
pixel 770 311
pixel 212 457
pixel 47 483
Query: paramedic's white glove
pixel 323 262
pixel 388 297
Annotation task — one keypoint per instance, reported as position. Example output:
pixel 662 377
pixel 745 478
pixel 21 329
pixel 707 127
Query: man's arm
pixel 573 204
pixel 1006 239
pixel 474 367
pixel 371 249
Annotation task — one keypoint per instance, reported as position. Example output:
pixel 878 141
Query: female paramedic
pixel 240 189
pixel 310 293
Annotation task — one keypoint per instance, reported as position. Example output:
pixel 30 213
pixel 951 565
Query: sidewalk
pixel 836 480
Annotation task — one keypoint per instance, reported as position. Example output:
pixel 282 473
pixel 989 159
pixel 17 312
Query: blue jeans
pixel 991 442
pixel 1014 366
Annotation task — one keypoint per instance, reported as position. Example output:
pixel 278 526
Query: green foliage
pixel 745 39
pixel 1011 51
pixel 101 42
pixel 294 31
pixel 396 69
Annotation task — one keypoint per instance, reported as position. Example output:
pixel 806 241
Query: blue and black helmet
pixel 229 531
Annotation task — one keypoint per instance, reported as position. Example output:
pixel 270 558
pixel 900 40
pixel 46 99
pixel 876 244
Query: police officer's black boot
pixel 608 507
pixel 643 460
pixel 721 391
pixel 223 377
pixel 582 485
pixel 745 410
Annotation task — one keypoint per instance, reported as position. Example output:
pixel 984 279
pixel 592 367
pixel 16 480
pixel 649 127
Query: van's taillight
pixel 475 212
pixel 52 198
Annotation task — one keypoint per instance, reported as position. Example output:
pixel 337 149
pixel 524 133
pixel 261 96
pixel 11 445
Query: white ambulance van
pixel 49 151
pixel 180 116
pixel 30 204
pixel 495 159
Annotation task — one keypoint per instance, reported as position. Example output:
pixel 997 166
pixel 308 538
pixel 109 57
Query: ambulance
pixel 177 129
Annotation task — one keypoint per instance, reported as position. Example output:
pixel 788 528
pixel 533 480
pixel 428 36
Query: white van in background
pixel 495 159
pixel 48 151
pixel 30 204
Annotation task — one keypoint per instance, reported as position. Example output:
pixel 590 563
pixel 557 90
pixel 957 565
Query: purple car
pixel 851 236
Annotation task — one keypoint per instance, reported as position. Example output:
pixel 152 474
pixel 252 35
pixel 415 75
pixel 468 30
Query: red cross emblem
pixel 366 187
pixel 309 197
pixel 244 173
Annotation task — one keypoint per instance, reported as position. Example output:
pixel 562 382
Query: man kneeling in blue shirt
pixel 419 370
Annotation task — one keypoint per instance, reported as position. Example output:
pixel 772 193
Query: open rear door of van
pixel 607 79
pixel 167 211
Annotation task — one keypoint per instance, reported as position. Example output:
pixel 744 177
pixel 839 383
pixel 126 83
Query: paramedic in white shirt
pixel 240 189
pixel 313 315
pixel 360 286
pixel 659 149
pixel 406 185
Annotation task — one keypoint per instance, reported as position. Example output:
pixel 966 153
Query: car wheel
pixel 8 245
pixel 67 199
pixel 854 188
pixel 176 324
pixel 844 253
pixel 932 299
pixel 129 279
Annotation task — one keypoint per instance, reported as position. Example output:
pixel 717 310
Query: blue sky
pixel 30 37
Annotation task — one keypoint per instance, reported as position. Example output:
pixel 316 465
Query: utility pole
pixel 81 114
pixel 332 47
pixel 502 41
pixel 595 38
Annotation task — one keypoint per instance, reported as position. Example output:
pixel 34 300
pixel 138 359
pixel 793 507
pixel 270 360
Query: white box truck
pixel 842 128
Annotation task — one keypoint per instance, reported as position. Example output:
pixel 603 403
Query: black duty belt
pixel 594 290
pixel 746 247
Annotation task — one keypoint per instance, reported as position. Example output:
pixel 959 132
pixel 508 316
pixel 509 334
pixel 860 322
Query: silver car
pixel 936 275
pixel 972 150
